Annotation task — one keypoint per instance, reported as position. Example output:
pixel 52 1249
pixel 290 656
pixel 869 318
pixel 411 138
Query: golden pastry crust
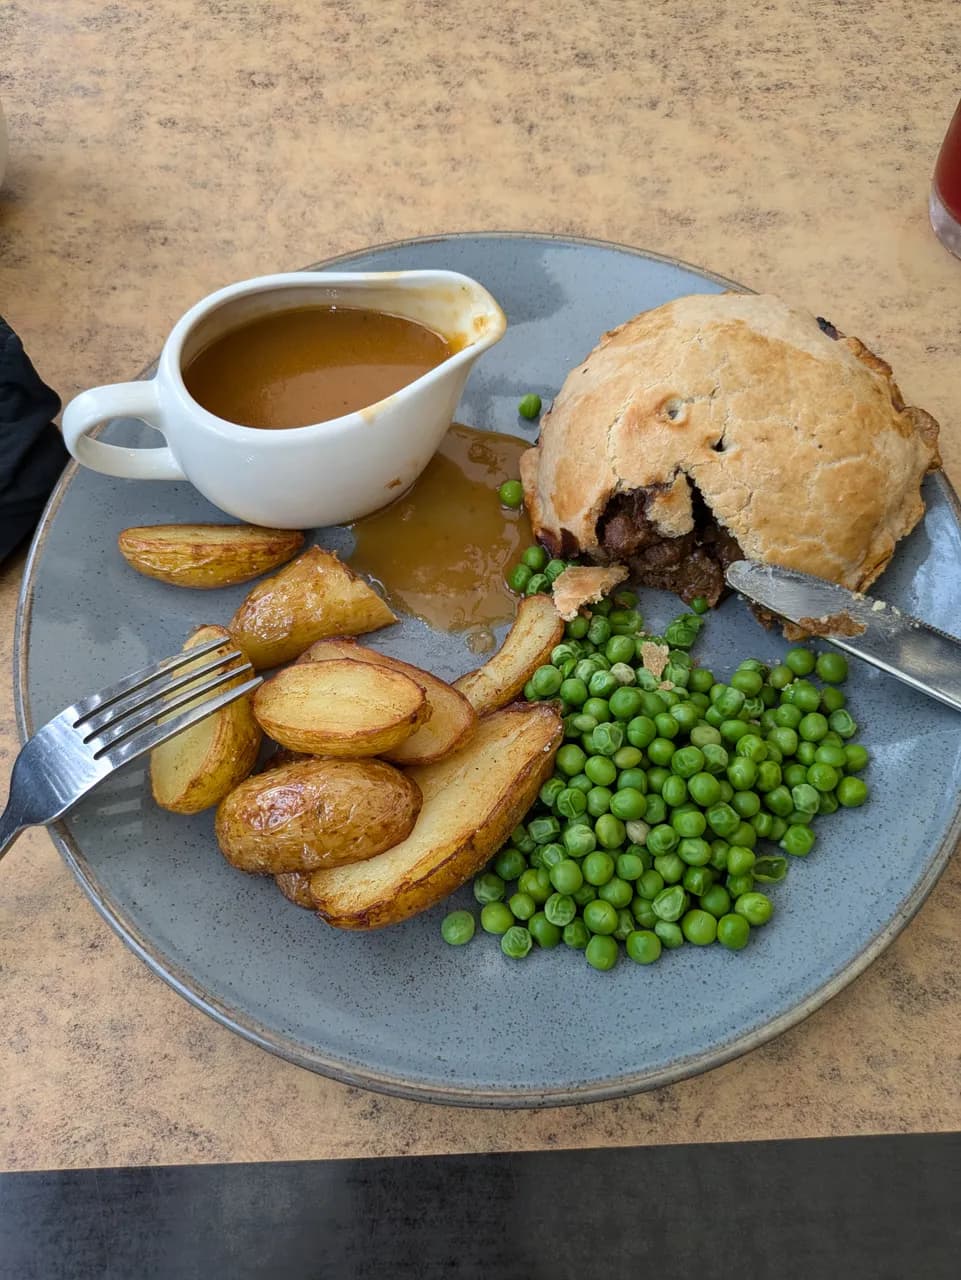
pixel 800 445
pixel 580 585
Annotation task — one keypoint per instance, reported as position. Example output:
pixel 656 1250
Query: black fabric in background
pixel 32 452
pixel 883 1208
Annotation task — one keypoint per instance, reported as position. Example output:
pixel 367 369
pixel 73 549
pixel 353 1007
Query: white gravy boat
pixel 328 473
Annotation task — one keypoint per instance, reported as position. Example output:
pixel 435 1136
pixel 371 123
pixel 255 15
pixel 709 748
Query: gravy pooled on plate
pixel 311 364
pixel 442 549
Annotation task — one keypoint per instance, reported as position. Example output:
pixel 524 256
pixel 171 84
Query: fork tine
pixel 143 716
pixel 86 706
pixel 143 695
pixel 146 739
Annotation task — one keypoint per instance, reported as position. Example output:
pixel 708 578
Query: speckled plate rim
pixel 293 1051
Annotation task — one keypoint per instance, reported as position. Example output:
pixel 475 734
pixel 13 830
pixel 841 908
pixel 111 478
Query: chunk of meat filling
pixel 691 565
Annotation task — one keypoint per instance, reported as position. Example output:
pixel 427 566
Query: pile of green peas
pixel 648 833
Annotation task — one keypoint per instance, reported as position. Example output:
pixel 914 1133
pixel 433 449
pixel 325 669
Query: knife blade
pixel 910 650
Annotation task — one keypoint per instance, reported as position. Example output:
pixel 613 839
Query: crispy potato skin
pixel 472 800
pixel 312 597
pixel 295 886
pixel 316 813
pixel 206 556
pixel 340 708
pixel 198 767
pixel 452 719
pixel 537 628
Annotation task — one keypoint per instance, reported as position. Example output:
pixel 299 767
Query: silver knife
pixel 920 655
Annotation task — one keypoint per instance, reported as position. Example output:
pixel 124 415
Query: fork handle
pixel 11 824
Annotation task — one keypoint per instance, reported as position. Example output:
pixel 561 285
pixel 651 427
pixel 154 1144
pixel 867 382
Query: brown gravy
pixel 295 368
pixel 441 551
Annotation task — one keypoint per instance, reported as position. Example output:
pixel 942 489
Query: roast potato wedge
pixel 316 813
pixel 452 718
pixel 340 708
pixel 206 555
pixel 537 628
pixel 295 886
pixel 472 800
pixel 314 596
pixel 198 767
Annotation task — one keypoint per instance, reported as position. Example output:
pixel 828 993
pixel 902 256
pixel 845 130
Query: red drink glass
pixel 944 205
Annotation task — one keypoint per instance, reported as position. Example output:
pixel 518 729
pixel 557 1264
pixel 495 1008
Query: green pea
pixel 529 406
pixel 670 867
pixel 806 751
pixel 694 852
pixel 643 946
pixel 457 928
pixel 601 770
pixel 716 900
pixel 674 791
pixel 716 760
pixel 746 803
pixel 643 913
pixel 813 726
pixel 610 831
pixel 785 739
pixel 617 892
pixel 510 863
pixel 780 676
pixel 852 793
pixel 576 935
pixel 671 903
pixel 733 932
pixel 723 820
pixel 699 927
pixel 518 578
pixel 606 739
pixel 546 681
pixel 570 802
pixel 733 730
pixel 748 682
pixel 576 629
pixel 537 585
pixel 536 883
pixel 736 885
pixel 628 804
pixel 535 558
pixel 543 830
pixel 823 777
pixel 551 855
pixel 744 834
pixel 573 691
pixel 619 649
pixel 798 841
pixel 629 866
pixel 580 782
pixel 805 798
pixel 768 776
pixel 602 684
pixel 756 908
pixel 842 724
pixel 779 801
pixel 631 779
pixel 516 942
pixel 788 715
pixel 794 774
pixel 697 880
pixel 855 757
pixel 670 934
pixel 832 700
pixel 598 801
pixel 832 667
pixel 742 773
pixel 752 747
pixel 599 631
pixel 740 860
pixel 687 761
pixel 488 888
pixel 806 697
pixel 600 916
pixel 830 753
pixel 570 759
pixel 763 824
pixel 650 884
pixel 704 789
pixel 828 802
pixel 662 838
pixel 625 703
pixel 543 931
pixel 601 953
pixel 599 709
pixel 566 876
pixel 689 822
pixel 585 894
pixel 800 661
pixel 497 917
pixel 656 810
pixel 511 494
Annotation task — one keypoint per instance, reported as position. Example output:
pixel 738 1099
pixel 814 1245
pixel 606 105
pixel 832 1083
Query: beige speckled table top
pixel 159 151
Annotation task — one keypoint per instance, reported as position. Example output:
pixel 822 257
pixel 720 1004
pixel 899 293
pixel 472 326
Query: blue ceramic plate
pixel 399 1010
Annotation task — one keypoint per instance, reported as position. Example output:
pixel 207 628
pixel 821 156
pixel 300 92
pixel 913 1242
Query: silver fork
pixel 88 741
